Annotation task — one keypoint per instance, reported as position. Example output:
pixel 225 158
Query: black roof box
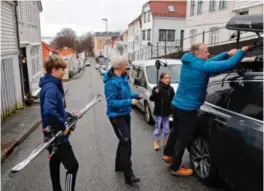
pixel 253 23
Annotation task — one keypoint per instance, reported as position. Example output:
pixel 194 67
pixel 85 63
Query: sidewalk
pixel 19 126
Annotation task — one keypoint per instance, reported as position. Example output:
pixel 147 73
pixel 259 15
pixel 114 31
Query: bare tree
pixel 65 38
pixel 87 43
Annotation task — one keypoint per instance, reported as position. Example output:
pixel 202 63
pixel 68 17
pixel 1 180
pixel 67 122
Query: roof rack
pixel 253 23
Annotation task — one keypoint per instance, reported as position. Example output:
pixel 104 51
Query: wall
pixel 11 92
pixel 207 20
pixel 147 25
pixel 238 4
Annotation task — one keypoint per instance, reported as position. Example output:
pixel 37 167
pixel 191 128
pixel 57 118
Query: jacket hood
pixel 188 58
pixel 111 76
pixel 49 78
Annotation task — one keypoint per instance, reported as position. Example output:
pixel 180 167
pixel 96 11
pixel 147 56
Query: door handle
pixel 219 121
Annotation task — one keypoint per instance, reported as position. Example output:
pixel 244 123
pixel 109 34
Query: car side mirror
pixel 137 82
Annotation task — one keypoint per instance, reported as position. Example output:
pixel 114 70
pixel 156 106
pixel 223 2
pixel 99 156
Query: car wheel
pixel 148 116
pixel 201 159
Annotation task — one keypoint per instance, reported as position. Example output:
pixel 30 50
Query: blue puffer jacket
pixel 194 77
pixel 118 94
pixel 52 103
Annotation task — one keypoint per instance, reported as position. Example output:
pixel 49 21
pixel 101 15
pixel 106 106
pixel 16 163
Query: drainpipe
pixel 18 46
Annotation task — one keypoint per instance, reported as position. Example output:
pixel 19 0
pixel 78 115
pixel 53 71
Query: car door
pixel 243 137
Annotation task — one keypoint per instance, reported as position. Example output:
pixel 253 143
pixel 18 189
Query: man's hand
pixel 232 52
pixel 134 101
pixel 157 90
pixel 245 48
pixel 66 131
pixel 141 96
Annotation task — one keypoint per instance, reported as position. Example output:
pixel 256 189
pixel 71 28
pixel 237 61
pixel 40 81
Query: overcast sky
pixel 86 15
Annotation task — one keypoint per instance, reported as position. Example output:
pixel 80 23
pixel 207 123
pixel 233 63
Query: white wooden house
pixel 30 43
pixel 11 89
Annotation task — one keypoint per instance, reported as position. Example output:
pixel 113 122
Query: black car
pixel 228 142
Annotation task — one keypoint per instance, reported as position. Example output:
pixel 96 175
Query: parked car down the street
pixel 88 63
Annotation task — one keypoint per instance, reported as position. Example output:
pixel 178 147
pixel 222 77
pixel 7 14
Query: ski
pixel 71 123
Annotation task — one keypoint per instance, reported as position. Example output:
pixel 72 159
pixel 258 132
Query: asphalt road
pixel 95 144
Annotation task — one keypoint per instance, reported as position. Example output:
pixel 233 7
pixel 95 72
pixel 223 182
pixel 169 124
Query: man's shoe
pixel 182 171
pixel 167 159
pixel 118 170
pixel 132 180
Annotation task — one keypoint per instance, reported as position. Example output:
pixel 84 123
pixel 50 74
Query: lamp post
pixel 106 36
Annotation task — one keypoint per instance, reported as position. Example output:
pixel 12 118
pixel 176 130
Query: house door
pixel 23 62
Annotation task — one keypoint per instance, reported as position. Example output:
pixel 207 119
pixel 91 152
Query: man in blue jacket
pixel 119 100
pixel 195 73
pixel 53 114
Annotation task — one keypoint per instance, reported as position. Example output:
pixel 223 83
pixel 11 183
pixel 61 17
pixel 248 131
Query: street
pixel 94 144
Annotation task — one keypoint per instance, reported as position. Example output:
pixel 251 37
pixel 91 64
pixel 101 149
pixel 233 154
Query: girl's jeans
pixel 164 120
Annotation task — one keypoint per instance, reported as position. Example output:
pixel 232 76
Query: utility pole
pixel 106 36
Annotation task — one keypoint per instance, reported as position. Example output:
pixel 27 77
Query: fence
pixel 212 38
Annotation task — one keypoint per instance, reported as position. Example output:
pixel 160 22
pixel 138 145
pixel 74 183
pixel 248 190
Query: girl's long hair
pixel 162 75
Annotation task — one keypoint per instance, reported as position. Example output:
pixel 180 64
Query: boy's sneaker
pixel 182 171
pixel 132 180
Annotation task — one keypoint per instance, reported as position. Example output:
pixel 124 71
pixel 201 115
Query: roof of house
pixel 161 8
pixel 136 19
pixel 46 49
pixel 66 51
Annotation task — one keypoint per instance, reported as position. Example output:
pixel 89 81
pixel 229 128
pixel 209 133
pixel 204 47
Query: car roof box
pixel 253 23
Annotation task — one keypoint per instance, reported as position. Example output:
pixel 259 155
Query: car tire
pixel 204 167
pixel 147 114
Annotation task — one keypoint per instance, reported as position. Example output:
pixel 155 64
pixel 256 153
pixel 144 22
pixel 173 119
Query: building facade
pixel 206 20
pixel 30 44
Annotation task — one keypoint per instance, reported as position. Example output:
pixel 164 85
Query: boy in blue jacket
pixel 195 73
pixel 53 114
pixel 119 100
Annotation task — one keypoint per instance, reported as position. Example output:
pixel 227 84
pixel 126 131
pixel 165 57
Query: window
pixel 141 77
pixel 171 35
pixel 143 35
pixel 199 7
pixel 218 94
pixel 145 17
pixel 212 5
pixel 171 8
pixel 165 34
pixel 148 16
pixel 162 35
pixel 134 73
pixel 243 13
pixel 214 35
pixel 193 33
pixel 247 99
pixel 192 8
pixel 173 70
pixel 35 60
pixel 222 4
pixel 149 34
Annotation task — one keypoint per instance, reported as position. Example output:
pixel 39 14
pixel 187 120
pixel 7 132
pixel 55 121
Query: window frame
pixel 222 4
pixel 149 35
pixel 148 19
pixel 214 33
pixel 199 7
pixel 212 5
pixel 192 8
pixel 143 35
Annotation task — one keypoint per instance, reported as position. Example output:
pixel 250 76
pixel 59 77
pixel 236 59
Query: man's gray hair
pixel 117 61
pixel 195 47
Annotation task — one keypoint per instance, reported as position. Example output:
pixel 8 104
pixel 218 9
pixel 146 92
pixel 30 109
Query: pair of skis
pixel 71 124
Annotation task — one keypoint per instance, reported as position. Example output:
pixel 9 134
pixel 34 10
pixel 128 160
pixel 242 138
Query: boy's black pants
pixel 184 123
pixel 64 155
pixel 121 125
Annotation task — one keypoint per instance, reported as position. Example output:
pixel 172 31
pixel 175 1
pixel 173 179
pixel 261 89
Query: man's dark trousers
pixel 184 123
pixel 121 125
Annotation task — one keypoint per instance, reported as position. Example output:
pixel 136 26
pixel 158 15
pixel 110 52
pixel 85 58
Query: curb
pixel 9 150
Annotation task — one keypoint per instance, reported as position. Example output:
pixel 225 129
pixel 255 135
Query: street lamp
pixel 106 35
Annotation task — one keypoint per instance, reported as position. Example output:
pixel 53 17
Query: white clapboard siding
pixel 8 29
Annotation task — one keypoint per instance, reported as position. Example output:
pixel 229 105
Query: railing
pixel 211 38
